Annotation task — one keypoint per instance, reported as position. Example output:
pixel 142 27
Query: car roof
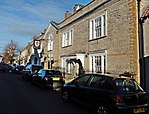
pixel 114 76
pixel 50 70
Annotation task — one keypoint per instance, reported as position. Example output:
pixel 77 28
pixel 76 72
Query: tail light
pixel 117 98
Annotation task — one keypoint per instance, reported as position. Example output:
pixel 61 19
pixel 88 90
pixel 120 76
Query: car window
pixel 43 73
pixel 39 72
pixel 82 80
pixel 105 83
pixel 127 85
pixel 100 82
pixel 27 67
pixel 94 82
pixel 56 72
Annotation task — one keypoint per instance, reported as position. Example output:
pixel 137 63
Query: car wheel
pixel 65 96
pixel 102 109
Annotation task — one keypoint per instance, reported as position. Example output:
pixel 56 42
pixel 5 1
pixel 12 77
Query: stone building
pixel 103 36
pixel 26 53
pixel 50 47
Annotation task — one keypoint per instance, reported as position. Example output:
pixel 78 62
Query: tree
pixel 10 51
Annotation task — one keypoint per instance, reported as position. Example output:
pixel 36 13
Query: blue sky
pixel 20 20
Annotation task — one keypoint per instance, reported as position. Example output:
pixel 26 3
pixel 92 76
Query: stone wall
pixel 120 41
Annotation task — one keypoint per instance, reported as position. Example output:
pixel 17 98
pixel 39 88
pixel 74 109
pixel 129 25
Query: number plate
pixel 139 110
pixel 56 79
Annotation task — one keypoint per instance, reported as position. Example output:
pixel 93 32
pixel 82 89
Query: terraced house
pixel 101 37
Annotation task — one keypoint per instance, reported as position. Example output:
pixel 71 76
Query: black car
pixel 107 94
pixel 48 78
pixel 11 68
pixel 4 67
pixel 30 70
pixel 18 69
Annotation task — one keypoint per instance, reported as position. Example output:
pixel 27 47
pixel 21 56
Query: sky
pixel 20 20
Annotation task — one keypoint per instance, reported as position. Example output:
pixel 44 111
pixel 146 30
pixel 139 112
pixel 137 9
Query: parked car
pixel 30 70
pixel 18 69
pixel 48 78
pixel 4 67
pixel 11 68
pixel 107 94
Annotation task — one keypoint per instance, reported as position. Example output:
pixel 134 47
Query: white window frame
pixel 67 38
pixel 97 65
pixel 50 42
pixel 65 65
pixel 98 26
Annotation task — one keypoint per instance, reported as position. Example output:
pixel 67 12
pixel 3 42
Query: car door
pixel 80 88
pixel 98 89
pixel 89 91
pixel 39 77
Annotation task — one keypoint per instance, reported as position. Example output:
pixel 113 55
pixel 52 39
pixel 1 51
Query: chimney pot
pixel 67 14
pixel 77 7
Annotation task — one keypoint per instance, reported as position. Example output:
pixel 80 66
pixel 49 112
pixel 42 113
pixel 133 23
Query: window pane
pixel 98 27
pixel 67 38
pixel 104 25
pixel 92 29
pixel 50 43
pixel 98 64
pixel 82 81
pixel 94 82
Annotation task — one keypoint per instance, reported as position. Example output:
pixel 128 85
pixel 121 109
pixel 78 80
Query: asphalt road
pixel 20 97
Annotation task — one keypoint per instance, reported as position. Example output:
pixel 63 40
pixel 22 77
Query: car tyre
pixel 102 109
pixel 65 96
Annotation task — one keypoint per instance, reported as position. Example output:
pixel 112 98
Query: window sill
pixel 67 46
pixel 97 38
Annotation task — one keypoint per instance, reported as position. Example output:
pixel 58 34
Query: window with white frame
pixel 98 63
pixel 98 27
pixel 66 64
pixel 50 42
pixel 67 38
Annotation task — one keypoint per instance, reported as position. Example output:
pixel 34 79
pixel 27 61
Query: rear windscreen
pixel 127 85
pixel 52 72
pixel 36 68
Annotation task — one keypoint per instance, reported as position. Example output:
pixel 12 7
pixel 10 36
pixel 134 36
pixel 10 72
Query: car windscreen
pixel 127 85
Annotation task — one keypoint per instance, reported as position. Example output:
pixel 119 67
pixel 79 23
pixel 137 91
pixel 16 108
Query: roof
pixel 53 23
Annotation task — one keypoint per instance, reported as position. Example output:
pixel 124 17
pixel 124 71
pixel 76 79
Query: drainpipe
pixel 141 49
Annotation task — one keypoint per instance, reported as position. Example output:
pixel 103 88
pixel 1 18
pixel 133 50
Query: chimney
pixel 67 14
pixel 77 7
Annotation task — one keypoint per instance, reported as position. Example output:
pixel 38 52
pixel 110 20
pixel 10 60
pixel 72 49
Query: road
pixel 18 96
